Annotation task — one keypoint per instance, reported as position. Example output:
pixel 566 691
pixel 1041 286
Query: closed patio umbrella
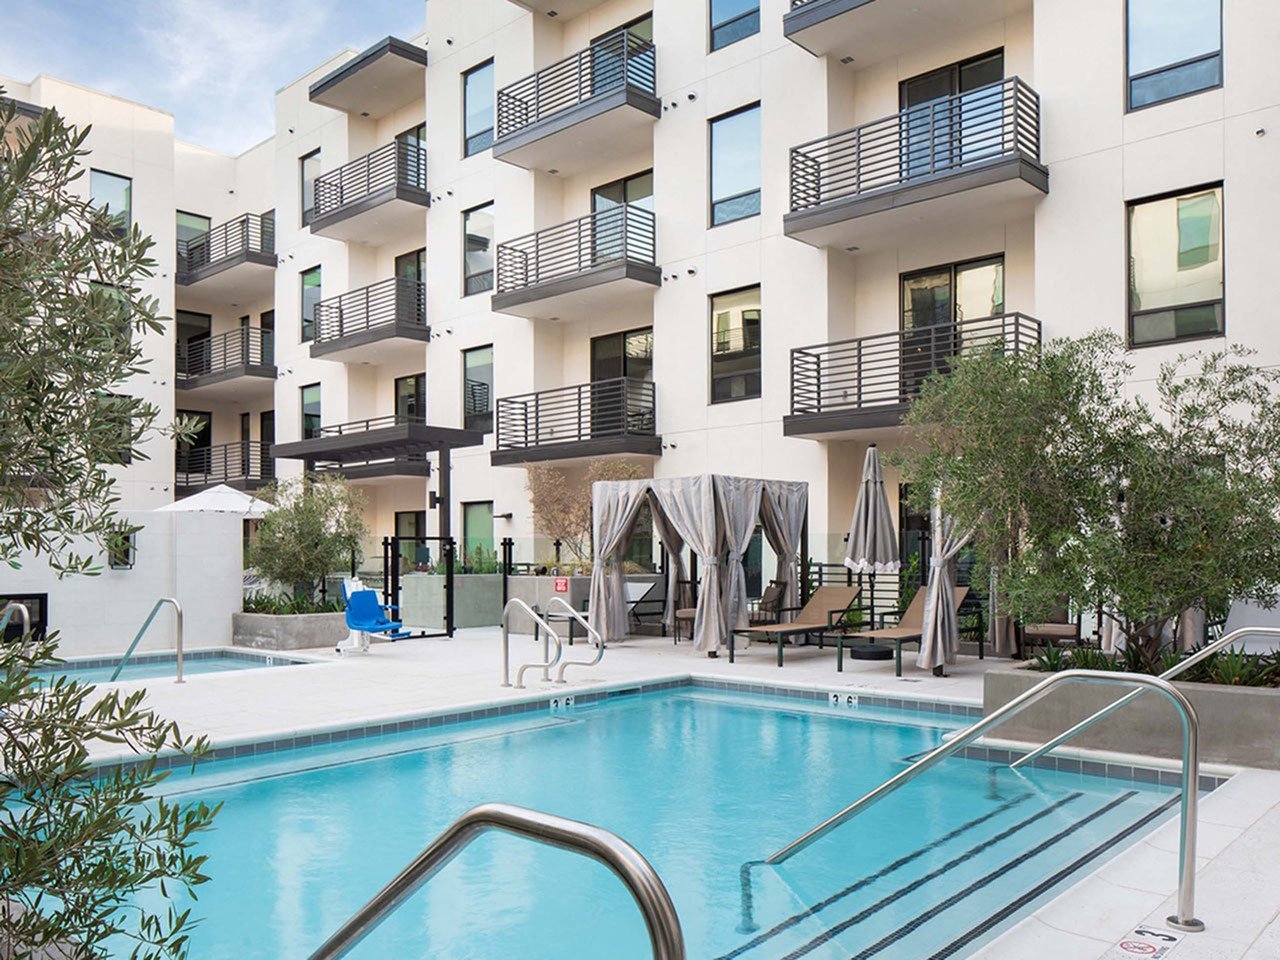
pixel 873 545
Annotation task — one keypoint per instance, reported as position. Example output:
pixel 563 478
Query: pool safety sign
pixel 562 584
pixel 1147 943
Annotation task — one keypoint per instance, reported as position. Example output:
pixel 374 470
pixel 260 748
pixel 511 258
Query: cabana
pixel 715 516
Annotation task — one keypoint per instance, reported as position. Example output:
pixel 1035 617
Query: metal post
pixel 508 546
pixel 804 560
pixel 386 571
pixel 556 543
pixel 444 521
pixel 447 548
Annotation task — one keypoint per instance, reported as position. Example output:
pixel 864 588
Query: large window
pixel 308 170
pixel 191 226
pixel 477 256
pixel 411 397
pixel 310 294
pixel 733 20
pixel 477 388
pixel 477 533
pixel 112 194
pixel 1176 284
pixel 310 398
pixel 735 345
pixel 477 109
pixel 735 165
pixel 1175 48
pixel 412 266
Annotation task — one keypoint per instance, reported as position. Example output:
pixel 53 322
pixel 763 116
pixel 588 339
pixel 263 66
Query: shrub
pixel 315 528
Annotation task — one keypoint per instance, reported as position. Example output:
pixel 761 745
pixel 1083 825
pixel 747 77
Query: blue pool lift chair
pixel 366 616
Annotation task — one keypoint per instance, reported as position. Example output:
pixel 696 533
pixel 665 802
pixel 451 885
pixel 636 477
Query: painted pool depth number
pixel 1146 942
pixel 846 701
pixel 562 704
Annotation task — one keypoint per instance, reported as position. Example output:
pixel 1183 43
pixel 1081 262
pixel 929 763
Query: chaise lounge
pixel 825 609
pixel 910 629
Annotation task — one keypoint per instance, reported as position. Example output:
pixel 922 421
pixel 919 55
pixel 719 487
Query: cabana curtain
pixel 676 574
pixel 940 640
pixel 690 507
pixel 739 501
pixel 782 511
pixel 613 517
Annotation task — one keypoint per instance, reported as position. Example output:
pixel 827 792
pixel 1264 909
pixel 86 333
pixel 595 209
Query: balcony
pixel 584 111
pixel 245 465
pixel 853 388
pixel 865 32
pixel 957 162
pixel 235 261
pixel 238 364
pixel 378 197
pixel 362 443
pixel 605 260
pixel 599 419
pixel 373 324
pixel 389 75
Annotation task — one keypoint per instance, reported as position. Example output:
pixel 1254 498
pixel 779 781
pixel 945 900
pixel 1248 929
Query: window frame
pixel 467 137
pixel 1129 76
pixel 759 191
pixel 302 410
pixel 114 232
pixel 491 413
pixel 1128 269
pixel 307 216
pixel 712 27
pixel 710 341
pixel 493 273
pixel 124 554
pixel 302 286
pixel 419 396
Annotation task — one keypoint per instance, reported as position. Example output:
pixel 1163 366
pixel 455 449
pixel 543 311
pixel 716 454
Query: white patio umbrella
pixel 873 545
pixel 220 499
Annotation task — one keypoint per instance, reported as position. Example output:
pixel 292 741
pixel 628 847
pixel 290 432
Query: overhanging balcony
pixel 359 444
pixel 378 197
pixel 854 388
pixel 246 465
pixel 236 364
pixel 387 76
pixel 865 32
pixel 599 419
pixel 955 163
pixel 373 324
pixel 584 111
pixel 605 260
pixel 378 471
pixel 235 261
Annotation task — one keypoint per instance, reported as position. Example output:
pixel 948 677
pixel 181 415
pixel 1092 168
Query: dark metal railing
pixel 395 164
pixel 250 233
pixel 618 60
pixel 246 346
pixel 996 122
pixel 224 463
pixel 365 426
pixel 622 407
pixel 890 368
pixel 616 235
pixel 397 300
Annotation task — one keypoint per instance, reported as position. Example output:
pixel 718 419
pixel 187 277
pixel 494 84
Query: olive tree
pixel 316 527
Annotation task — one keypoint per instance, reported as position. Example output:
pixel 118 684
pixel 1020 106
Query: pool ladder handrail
pixel 548 660
pixel 627 863
pixel 177 624
pixel 24 614
pixel 1177 669
pixel 592 632
pixel 1184 919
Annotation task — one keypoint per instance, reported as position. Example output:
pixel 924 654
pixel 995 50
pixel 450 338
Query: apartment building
pixel 718 236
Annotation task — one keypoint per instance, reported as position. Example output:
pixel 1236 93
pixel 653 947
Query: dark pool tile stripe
pixel 915 923
pixel 1011 908
pixel 834 931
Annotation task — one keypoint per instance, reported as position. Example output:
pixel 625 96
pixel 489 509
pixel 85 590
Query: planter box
pixel 477 600
pixel 263 631
pixel 1238 725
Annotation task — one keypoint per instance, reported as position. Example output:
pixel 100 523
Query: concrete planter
pixel 1238 725
pixel 263 631
pixel 477 600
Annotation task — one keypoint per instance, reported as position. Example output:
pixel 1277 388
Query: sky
pixel 214 64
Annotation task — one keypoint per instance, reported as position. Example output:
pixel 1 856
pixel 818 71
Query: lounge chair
pixel 1059 628
pixel 910 629
pixel 766 608
pixel 366 616
pixel 825 609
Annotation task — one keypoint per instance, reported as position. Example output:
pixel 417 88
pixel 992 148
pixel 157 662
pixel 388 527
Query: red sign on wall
pixel 562 584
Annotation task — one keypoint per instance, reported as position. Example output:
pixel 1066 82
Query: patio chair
pixel 765 610
pixel 910 629
pixel 825 609
pixel 1058 629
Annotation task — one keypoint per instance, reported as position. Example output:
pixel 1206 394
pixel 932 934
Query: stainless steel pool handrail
pixel 627 863
pixel 592 632
pixel 1181 667
pixel 1185 918
pixel 549 635
pixel 177 623
pixel 24 614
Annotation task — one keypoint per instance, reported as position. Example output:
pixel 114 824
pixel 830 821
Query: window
pixel 1175 49
pixel 310 297
pixel 477 533
pixel 477 389
pixel 735 165
pixel 412 266
pixel 191 226
pixel 310 395
pixel 477 109
pixel 411 531
pixel 735 345
pixel 308 170
pixel 733 20
pixel 411 397
pixel 1176 280
pixel 112 195
pixel 413 153
pixel 122 549
pixel 267 321
pixel 193 455
pixel 477 257
pixel 933 303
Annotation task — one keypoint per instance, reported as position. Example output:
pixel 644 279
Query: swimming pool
pixel 151 666
pixel 700 781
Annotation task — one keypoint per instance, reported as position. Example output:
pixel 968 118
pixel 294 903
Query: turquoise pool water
pixel 699 781
pixel 151 666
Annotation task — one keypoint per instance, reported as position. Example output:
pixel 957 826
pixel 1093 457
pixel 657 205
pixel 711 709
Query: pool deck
pixel 1238 876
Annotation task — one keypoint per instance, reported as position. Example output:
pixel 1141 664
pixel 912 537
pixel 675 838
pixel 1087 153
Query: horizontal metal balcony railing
pixel 246 346
pixel 250 233
pixel 245 460
pixel 391 302
pixel 616 235
pixel 890 368
pixel 623 407
pixel 616 61
pixel 368 425
pixel 995 122
pixel 396 164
